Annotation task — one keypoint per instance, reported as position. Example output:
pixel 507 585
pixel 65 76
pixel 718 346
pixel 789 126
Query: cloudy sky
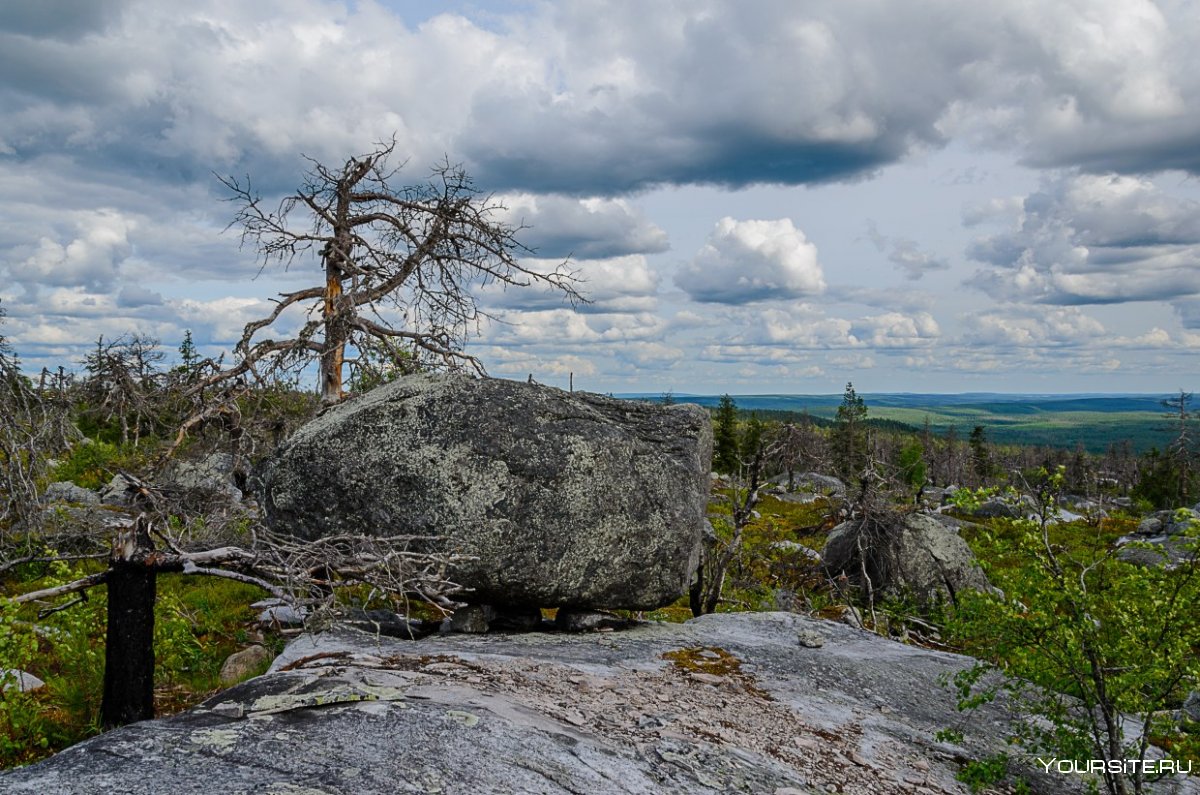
pixel 761 196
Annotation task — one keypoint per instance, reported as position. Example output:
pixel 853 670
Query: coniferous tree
pixel 725 438
pixel 981 455
pixel 189 357
pixel 850 435
pixel 911 463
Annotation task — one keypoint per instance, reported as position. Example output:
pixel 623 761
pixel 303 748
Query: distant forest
pixel 1064 421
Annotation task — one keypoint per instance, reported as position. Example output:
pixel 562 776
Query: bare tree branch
pixel 82 584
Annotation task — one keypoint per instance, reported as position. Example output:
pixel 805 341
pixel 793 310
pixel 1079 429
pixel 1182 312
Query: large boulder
pixel 912 555
pixel 560 499
pixel 1191 707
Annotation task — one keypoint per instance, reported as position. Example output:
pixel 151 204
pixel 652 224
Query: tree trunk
pixel 335 345
pixel 129 649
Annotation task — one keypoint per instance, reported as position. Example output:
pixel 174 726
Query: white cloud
pixel 897 330
pixel 803 328
pixel 561 326
pixel 619 284
pixel 745 261
pixel 89 256
pixel 1032 329
pixel 222 320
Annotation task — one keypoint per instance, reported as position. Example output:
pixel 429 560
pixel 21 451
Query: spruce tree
pixel 981 457
pixel 725 438
pixel 850 435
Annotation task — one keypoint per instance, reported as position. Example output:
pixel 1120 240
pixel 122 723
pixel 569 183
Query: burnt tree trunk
pixel 129 651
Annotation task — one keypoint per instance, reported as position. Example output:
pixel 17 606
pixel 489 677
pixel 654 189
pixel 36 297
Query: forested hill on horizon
pixel 1058 420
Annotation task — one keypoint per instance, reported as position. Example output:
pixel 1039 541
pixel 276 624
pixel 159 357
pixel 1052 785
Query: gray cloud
pixel 133 296
pixel 905 254
pixel 878 297
pixel 633 106
pixel 593 99
pixel 1089 239
pixel 1189 312
pixel 559 227
pixel 59 19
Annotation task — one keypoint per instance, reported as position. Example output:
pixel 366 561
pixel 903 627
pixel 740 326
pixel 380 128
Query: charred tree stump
pixel 129 651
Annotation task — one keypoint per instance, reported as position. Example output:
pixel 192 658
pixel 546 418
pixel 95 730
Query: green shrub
pixel 93 465
pixel 22 726
pixel 1097 637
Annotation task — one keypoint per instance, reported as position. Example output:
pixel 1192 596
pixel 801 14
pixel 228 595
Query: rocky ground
pixel 755 703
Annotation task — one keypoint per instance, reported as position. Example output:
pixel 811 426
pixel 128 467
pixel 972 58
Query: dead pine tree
pixel 399 265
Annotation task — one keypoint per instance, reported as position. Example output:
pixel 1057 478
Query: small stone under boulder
pixel 560 499
pixel 911 555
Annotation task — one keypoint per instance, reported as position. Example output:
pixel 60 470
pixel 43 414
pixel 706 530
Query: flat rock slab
pixel 724 703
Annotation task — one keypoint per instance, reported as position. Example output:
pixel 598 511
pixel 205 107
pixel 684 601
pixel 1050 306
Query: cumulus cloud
pixel 90 256
pixel 619 284
pixel 564 328
pixel 518 362
pixel 622 284
pixel 596 228
pixel 222 320
pixel 800 328
pixel 745 261
pixel 1107 85
pixel 811 329
pixel 1031 329
pixel 897 330
pixel 1088 239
